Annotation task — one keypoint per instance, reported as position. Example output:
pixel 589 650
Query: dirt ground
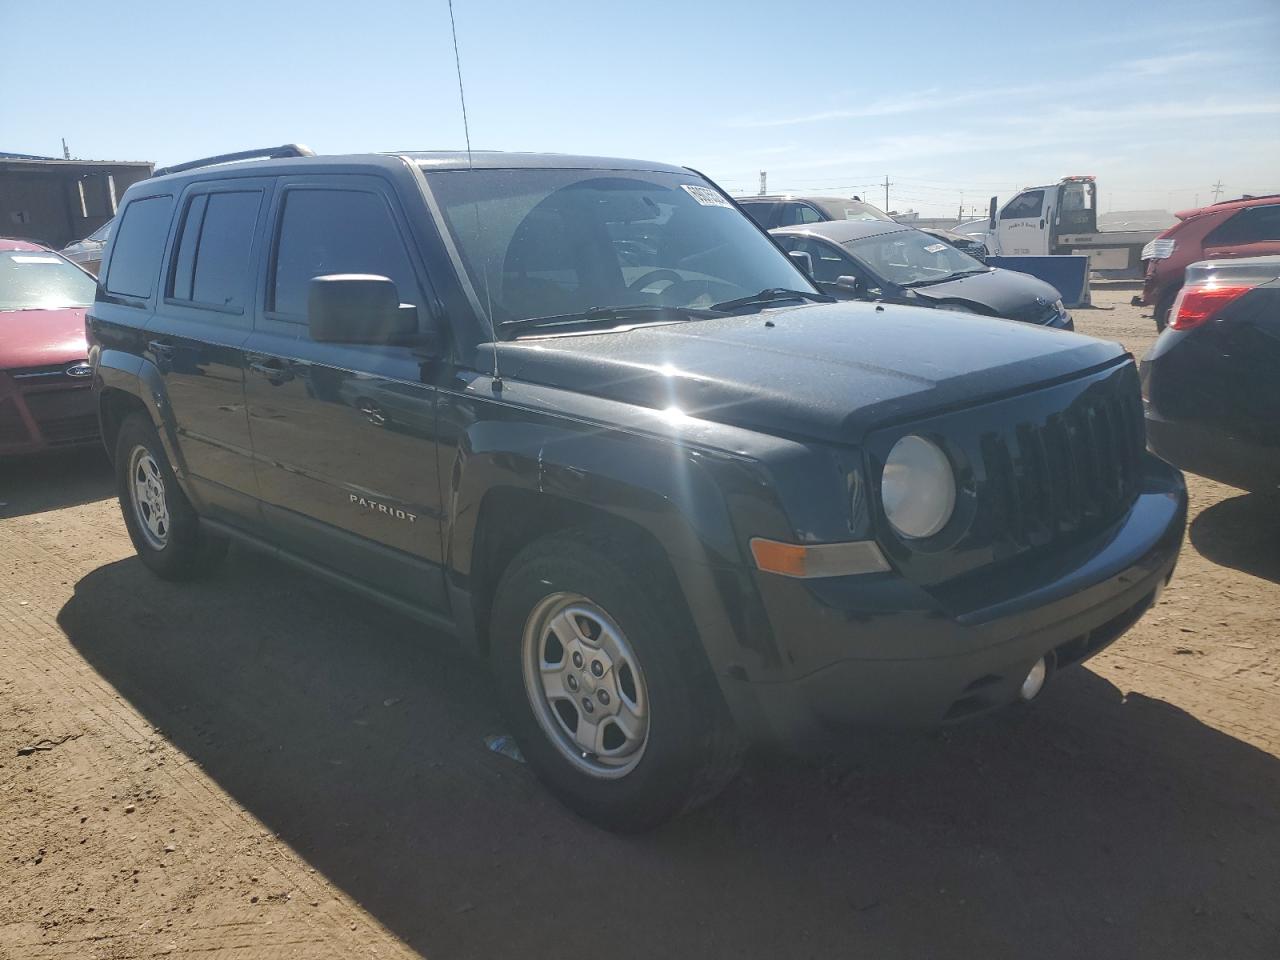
pixel 258 766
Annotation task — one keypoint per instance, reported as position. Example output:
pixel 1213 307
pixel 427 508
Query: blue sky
pixel 1158 99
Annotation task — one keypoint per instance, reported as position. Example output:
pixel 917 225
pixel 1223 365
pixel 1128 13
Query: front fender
pixel 662 487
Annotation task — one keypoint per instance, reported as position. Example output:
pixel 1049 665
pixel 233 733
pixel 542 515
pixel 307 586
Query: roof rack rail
pixel 266 153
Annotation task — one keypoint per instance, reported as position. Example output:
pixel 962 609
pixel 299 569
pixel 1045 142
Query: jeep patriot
pixel 586 416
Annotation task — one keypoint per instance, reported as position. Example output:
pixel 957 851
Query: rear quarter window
pixel 1251 225
pixel 139 244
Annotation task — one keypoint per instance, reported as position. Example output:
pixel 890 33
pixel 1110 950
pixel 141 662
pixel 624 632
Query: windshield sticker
pixel 706 196
pixel 935 248
pixel 34 258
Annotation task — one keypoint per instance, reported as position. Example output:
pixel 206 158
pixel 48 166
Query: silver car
pixel 88 252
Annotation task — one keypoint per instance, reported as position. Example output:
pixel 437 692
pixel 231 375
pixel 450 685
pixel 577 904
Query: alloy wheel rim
pixel 586 686
pixel 146 490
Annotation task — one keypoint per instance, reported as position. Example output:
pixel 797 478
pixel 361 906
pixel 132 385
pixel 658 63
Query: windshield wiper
pixel 772 295
pixel 607 316
pixel 929 281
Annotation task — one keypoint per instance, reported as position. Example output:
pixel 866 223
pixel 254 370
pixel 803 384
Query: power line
pixel 1217 190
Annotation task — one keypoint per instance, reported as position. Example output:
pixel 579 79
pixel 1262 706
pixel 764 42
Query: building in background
pixel 55 201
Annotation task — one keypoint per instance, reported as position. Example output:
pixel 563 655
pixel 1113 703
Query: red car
pixel 1248 227
pixel 45 400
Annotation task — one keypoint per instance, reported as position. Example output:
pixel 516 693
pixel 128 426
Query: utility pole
pixel 66 154
pixel 764 179
pixel 1217 190
pixel 960 212
pixel 886 193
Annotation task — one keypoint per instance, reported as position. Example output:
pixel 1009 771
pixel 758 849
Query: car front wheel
pixel 606 687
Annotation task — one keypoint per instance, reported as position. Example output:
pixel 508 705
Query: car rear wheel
pixel 606 687
pixel 1164 306
pixel 162 524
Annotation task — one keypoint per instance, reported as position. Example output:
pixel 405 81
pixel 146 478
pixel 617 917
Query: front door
pixel 344 435
pixel 1021 230
pixel 197 335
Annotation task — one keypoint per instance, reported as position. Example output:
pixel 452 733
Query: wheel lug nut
pixel 597 668
pixel 577 659
pixel 571 682
pixel 587 705
pixel 604 698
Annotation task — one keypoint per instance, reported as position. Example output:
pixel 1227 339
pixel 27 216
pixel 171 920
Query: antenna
pixel 462 96
pixel 475 206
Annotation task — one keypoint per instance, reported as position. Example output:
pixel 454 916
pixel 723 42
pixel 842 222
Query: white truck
pixel 1061 218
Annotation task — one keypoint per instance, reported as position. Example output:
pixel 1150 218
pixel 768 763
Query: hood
pixel 1006 293
pixel 821 371
pixel 39 338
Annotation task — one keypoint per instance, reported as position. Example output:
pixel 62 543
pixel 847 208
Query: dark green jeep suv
pixel 585 415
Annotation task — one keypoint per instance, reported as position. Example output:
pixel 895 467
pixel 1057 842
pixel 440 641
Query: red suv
pixel 45 400
pixel 1248 227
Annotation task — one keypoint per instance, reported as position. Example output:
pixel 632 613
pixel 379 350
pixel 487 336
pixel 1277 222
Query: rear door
pixel 1021 228
pixel 196 339
pixel 1251 232
pixel 344 434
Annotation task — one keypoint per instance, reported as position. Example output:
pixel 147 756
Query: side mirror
pixel 851 284
pixel 991 215
pixel 802 260
pixel 358 308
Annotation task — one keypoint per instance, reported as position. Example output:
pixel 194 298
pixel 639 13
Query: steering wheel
pixel 653 276
pixel 684 292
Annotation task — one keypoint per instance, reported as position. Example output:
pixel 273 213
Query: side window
pixel 829 264
pixel 1251 225
pixel 135 258
pixel 1024 206
pixel 807 214
pixel 796 214
pixel 759 212
pixel 211 266
pixel 335 231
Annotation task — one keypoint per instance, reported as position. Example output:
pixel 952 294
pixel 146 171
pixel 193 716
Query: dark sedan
pixel 1212 381
pixel 883 260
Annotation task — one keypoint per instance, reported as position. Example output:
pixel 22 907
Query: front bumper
pixel 878 651
pixel 1208 451
pixel 43 410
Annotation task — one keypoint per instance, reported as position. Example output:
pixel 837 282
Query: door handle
pixel 162 350
pixel 274 370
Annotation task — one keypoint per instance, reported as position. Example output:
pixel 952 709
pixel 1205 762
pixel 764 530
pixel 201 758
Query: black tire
pixel 692 750
pixel 185 551
pixel 1163 307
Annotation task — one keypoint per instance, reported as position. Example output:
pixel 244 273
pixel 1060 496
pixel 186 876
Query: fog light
pixel 1034 682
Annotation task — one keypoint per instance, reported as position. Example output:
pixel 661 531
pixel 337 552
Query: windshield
pixel 102 233
pixel 543 243
pixel 32 280
pixel 837 208
pixel 910 257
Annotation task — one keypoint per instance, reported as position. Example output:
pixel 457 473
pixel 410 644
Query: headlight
pixel 918 488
